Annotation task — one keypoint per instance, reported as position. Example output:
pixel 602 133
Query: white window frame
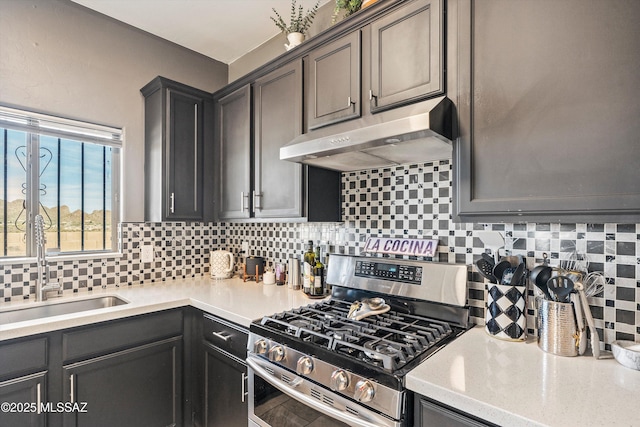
pixel 35 124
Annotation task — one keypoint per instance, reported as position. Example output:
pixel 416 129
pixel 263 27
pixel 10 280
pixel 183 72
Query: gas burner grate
pixel 389 340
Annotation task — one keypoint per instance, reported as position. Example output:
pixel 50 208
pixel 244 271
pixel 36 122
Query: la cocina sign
pixel 415 247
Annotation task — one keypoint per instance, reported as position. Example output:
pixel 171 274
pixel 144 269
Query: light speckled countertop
pixel 232 299
pixel 507 383
pixel 517 384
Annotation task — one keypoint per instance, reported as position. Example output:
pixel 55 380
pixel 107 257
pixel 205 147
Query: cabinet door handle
pixel 195 153
pixel 256 205
pixel 350 102
pixel 72 392
pixel 38 397
pixel 173 203
pixel 244 388
pixel 222 337
pixel 372 97
pixel 243 196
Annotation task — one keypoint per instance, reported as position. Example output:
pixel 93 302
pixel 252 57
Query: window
pixel 65 170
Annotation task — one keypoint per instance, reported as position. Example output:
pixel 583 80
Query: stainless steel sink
pixel 27 312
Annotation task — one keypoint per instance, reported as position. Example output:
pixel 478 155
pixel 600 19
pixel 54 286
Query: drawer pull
pixel 222 337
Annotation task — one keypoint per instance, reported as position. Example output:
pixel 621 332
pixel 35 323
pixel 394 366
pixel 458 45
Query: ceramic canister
pixel 221 264
pixel 505 316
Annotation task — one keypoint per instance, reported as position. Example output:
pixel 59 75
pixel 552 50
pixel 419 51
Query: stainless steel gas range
pixel 342 361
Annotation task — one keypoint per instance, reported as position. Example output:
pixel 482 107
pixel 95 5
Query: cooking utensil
pixel 486 270
pixel 593 333
pixel 560 287
pixel 518 274
pixel 367 307
pixel 541 274
pixel 582 338
pixel 499 269
pixel 594 283
pixel 492 240
pixel 489 259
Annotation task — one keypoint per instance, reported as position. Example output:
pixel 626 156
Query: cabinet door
pixel 135 387
pixel 225 398
pixel 184 157
pixel 30 389
pixel 407 53
pixel 277 120
pixel 333 90
pixel 548 113
pixel 233 138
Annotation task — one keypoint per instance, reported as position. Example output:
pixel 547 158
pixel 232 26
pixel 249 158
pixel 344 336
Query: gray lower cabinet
pixel 23 381
pixel 177 133
pixel 223 375
pixel 129 372
pixel 134 387
pixel 548 113
pixel 429 413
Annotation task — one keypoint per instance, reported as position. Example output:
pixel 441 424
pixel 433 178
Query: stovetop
pixel 426 310
pixel 388 341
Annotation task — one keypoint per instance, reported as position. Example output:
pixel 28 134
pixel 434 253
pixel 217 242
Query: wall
pixel 274 47
pixel 411 201
pixel 58 57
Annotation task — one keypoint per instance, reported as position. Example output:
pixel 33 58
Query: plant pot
pixel 294 40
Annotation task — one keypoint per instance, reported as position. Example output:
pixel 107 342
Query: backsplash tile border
pixel 412 201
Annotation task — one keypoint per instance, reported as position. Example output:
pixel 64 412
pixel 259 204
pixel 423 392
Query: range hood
pixel 414 133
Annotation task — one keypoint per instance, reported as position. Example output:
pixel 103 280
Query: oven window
pixel 279 410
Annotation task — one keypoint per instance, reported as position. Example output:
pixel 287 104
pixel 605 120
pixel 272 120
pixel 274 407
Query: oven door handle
pixel 309 401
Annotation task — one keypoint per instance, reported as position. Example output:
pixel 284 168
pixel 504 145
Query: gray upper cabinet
pixel 233 142
pixel 277 104
pixel 175 133
pixel 548 110
pixel 252 123
pixel 407 55
pixel 333 90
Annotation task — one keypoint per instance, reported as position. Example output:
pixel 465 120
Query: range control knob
pixel 260 346
pixel 276 353
pixel 364 391
pixel 339 380
pixel 304 365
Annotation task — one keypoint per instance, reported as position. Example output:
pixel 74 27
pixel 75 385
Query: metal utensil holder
pixel 557 330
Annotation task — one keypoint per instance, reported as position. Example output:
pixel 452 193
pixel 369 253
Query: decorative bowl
pixel 627 353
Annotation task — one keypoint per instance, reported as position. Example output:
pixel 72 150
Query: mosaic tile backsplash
pixel 405 201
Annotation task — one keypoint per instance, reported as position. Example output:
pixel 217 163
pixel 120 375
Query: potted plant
pixel 299 23
pixel 348 6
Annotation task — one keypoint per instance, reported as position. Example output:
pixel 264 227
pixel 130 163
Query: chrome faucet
pixel 42 287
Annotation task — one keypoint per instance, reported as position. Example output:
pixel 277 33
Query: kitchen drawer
pixel 103 338
pixel 226 336
pixel 23 357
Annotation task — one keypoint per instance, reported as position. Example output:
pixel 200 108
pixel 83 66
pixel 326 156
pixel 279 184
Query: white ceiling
pixel 221 29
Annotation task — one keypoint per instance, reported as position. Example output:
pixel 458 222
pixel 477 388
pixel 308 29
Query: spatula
pixel 560 287
pixel 486 270
pixel 492 240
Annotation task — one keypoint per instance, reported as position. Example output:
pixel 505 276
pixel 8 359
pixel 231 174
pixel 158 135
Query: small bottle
pixel 309 261
pixel 317 288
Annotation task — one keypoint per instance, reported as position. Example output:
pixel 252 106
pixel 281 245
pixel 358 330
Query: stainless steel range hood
pixel 414 133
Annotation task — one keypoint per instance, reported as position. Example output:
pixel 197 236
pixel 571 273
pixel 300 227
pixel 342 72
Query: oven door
pixel 278 397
